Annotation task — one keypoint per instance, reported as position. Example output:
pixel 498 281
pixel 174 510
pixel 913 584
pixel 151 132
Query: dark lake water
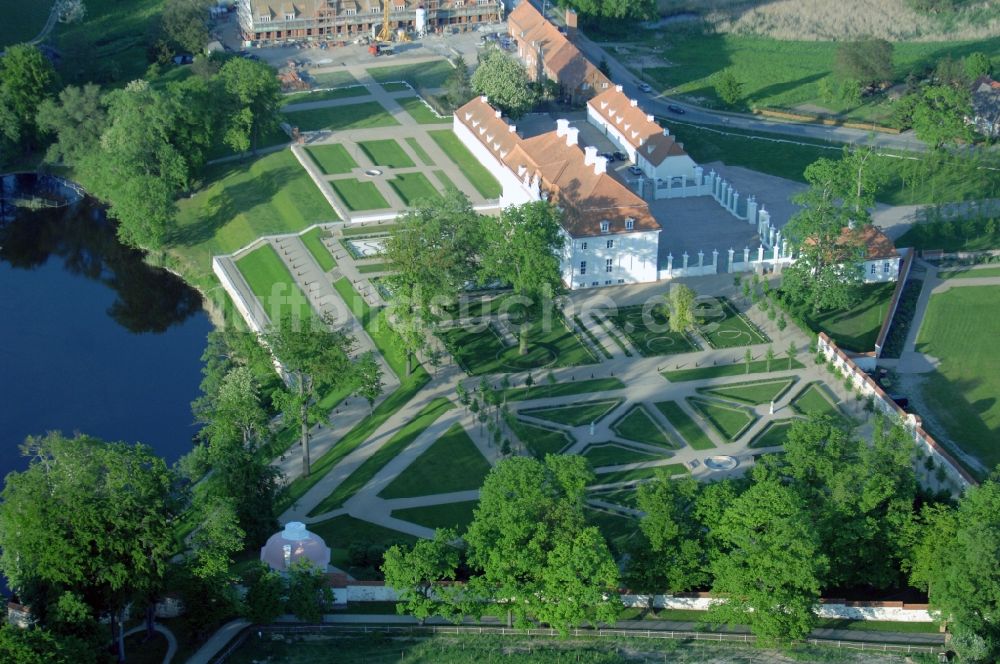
pixel 91 338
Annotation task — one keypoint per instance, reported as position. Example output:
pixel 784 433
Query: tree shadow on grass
pixel 778 89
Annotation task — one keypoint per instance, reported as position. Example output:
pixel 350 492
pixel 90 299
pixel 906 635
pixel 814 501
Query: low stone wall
pixel 904 274
pixel 958 479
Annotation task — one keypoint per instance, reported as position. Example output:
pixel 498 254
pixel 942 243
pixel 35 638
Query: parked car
pixel 609 156
pixel 621 156
pixel 183 59
pixel 635 170
pixel 645 87
pixel 673 108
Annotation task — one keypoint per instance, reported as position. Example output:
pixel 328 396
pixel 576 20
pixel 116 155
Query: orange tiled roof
pixel 876 243
pixel 638 128
pixel 587 197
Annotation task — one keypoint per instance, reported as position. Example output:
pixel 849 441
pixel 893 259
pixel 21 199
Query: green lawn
pixel 413 187
pixel 334 79
pixel 419 150
pixel 730 421
pixel 452 463
pixel 544 390
pixel 611 454
pixel 961 328
pixel 965 235
pixel 481 351
pixel 478 175
pixel 576 414
pixel 21 25
pixel 395 86
pixel 374 463
pixel 617 530
pixel 241 202
pixel 369 268
pixel 420 111
pixel 420 74
pixel 272 283
pixel 314 243
pixel 358 195
pixel 638 425
pixel 445 180
pixel 332 159
pixel 648 329
pixel 541 440
pixel 773 435
pixel 970 273
pixel 736 369
pixel 324 95
pixel 375 324
pixel 753 392
pixel 341 532
pixel 815 400
pixel 386 152
pixel 366 115
pixel 857 328
pixel 723 327
pixel 623 497
pixel 448 515
pixel 685 425
pixel 270 138
pixel 619 476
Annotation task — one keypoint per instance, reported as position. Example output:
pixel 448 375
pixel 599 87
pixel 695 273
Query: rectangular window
pixel 263 19
pixel 605 226
pixel 621 281
pixel 583 246
pixel 607 283
pixel 350 12
pixel 629 224
pixel 595 283
pixel 885 267
pixel 874 267
pixel 611 244
pixel 376 10
pixel 583 267
pixel 289 17
pixel 609 265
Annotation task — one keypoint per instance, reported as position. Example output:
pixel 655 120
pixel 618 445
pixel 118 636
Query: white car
pixel 635 170
pixel 645 87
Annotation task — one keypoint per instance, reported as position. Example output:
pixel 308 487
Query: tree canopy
pixel 638 10
pixel 504 81
pixel 867 61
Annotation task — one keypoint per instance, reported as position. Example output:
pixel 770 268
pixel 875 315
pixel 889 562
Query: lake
pixel 91 338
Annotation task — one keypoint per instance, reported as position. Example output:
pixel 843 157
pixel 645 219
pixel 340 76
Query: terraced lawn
pixel 575 415
pixel 332 159
pixel 648 329
pixel 478 175
pixel 314 243
pixel 386 152
pixel 753 392
pixel 773 435
pixel 730 421
pixel 366 115
pixel 413 187
pixel 611 454
pixel 856 328
pixel 638 425
pixel 692 433
pixel 272 283
pixel 541 440
pixel 358 195
pixel 420 111
pixel 447 515
pixel 451 463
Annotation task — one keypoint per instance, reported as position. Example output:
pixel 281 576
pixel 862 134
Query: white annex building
pixel 611 236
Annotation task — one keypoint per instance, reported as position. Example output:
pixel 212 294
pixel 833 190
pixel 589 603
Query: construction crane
pixel 385 35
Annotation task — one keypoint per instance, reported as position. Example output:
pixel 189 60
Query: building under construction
pixel 269 21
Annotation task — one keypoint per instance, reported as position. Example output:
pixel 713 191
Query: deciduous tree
pixel 254 93
pixel 27 78
pixel 458 86
pixel 675 537
pixel 680 302
pixel 939 115
pixel 421 574
pixel 186 23
pixel 505 82
pixel 868 61
pixel 728 87
pixel 77 120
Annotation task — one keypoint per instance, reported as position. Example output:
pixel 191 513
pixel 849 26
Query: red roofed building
pixel 611 235
pixel 881 258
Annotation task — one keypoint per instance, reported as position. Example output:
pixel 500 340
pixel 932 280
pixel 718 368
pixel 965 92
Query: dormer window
pixel 376 10
pixel 289 17
pixel 264 19
pixel 350 12
pixel 605 226
pixel 629 224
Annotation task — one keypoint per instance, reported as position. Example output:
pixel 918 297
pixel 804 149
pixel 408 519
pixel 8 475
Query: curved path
pixel 167 634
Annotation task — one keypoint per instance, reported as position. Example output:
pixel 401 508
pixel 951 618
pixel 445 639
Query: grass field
pixel 723 327
pixel 639 426
pixel 334 79
pixel 447 515
pixel 358 195
pixel 541 440
pixel 965 235
pixel 386 453
pixel 611 454
pixel 855 329
pixel 634 474
pixel 730 421
pixel 446 181
pixel 753 392
pixel 815 400
pixel 773 435
pixel 960 328
pixel 970 273
pixel 482 351
pixel 395 86
pixel 375 324
pixel 21 25
pixel 419 150
pixel 419 74
pixel 576 414
pixel 735 369
pixel 478 175
pixel 332 159
pixel 240 203
pixel 649 331
pixel 413 187
pixel 314 243
pixel 451 463
pixel 386 152
pixel 420 111
pixel 272 283
pixel 324 95
pixel 545 390
pixel 341 532
pixel 692 433
pixel 366 115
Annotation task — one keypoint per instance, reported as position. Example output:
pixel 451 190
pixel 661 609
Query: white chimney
pixel 562 126
pixel 666 132
pixel 618 88
pixel 600 165
pixel 649 118
pixel 589 155
pixel 633 102
pixel 572 135
pixel 496 113
pixel 512 128
pixel 484 99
